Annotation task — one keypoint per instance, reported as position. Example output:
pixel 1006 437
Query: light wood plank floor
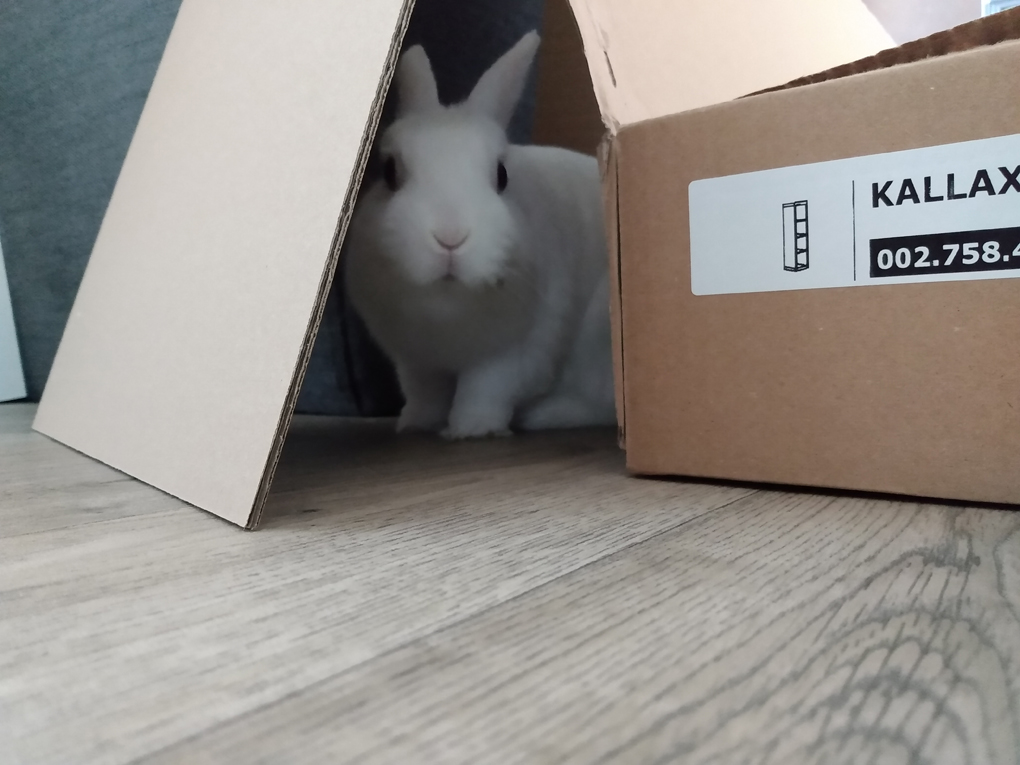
pixel 516 601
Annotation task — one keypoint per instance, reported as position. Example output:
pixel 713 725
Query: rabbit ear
pixel 416 85
pixel 499 89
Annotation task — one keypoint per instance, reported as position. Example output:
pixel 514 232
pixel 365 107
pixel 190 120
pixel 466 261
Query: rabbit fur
pixel 480 267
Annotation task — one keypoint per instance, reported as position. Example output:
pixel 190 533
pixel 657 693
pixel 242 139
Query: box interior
pixel 638 52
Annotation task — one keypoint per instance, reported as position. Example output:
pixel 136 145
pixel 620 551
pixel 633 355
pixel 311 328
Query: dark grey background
pixel 74 75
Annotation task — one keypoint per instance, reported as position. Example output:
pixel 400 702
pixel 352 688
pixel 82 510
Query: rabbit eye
pixel 501 178
pixel 390 173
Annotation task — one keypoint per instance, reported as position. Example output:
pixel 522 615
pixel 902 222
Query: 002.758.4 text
pixel 952 253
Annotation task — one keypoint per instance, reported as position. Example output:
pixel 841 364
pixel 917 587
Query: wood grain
pixel 45 486
pixel 514 601
pixel 123 637
pixel 783 629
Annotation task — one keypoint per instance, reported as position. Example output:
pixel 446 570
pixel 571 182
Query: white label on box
pixel 12 381
pixel 946 213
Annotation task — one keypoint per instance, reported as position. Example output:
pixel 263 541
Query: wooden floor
pixel 517 601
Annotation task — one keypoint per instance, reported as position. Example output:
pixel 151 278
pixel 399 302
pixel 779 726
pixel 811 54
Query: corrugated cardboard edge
pixel 991 30
pixel 600 68
pixel 340 234
pixel 608 156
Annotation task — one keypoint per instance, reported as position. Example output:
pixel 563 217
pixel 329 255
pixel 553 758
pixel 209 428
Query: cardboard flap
pixel 658 57
pixel 192 327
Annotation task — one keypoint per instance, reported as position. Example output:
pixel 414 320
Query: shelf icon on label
pixel 796 248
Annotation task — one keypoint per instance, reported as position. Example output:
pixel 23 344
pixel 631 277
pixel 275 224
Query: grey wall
pixel 73 78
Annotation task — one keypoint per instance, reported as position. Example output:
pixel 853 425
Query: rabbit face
pixel 443 217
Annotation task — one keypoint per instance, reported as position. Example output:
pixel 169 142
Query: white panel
pixel 944 213
pixel 12 378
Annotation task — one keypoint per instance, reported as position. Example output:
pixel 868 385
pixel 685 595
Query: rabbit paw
pixel 421 419
pixel 567 412
pixel 476 425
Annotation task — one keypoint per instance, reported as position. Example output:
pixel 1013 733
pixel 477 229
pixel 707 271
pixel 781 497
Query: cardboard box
pixel 186 347
pixel 886 362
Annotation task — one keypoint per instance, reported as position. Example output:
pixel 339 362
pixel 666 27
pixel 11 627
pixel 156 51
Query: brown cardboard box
pixel 187 344
pixel 890 386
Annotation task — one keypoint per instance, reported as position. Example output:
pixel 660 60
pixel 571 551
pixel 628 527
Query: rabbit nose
pixel 451 240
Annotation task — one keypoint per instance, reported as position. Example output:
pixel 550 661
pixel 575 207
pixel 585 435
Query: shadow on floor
pixel 334 466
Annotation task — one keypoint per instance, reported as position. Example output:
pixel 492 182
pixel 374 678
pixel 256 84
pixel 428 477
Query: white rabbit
pixel 480 267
